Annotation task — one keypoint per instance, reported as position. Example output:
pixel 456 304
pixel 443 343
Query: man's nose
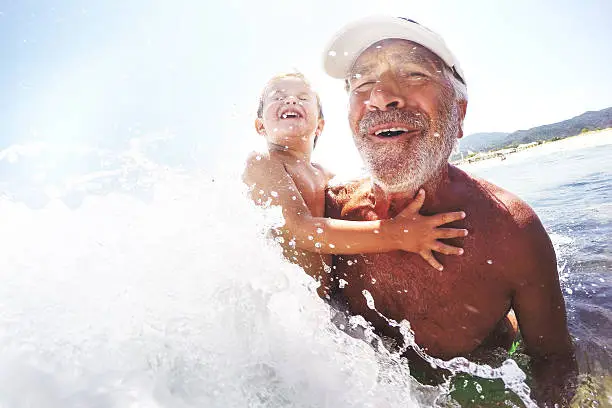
pixel 385 95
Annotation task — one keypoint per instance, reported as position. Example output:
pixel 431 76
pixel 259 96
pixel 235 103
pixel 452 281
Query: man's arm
pixel 540 309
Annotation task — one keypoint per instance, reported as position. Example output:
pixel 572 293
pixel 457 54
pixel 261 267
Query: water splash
pixel 176 300
pixel 509 372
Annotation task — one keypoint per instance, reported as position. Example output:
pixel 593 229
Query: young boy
pixel 291 119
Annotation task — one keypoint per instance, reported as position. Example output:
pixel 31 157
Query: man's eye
pixel 413 75
pixel 363 86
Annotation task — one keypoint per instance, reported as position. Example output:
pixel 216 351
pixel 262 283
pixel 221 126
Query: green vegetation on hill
pixel 484 142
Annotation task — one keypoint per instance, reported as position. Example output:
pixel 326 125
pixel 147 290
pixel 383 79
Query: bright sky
pixel 103 72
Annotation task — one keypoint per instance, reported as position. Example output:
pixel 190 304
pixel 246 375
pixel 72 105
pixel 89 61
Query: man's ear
pixel 259 126
pixel 462 111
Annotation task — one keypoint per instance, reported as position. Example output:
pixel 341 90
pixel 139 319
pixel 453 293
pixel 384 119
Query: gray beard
pixel 406 165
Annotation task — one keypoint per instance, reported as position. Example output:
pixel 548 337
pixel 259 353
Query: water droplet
pixel 405 230
pixel 319 230
pixel 276 129
pixel 342 283
pixel 349 262
pixel 345 53
pixel 332 246
pixel 332 53
pixel 436 134
pixel 258 157
pixel 373 281
pixel 569 291
pixel 490 261
pixel 293 198
pixel 318 245
pixel 369 299
pixel 310 237
pixel 261 191
pixel 376 231
pixel 380 46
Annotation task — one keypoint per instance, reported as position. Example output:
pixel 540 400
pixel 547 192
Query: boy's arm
pixel 270 183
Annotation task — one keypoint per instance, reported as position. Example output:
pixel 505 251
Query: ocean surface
pixel 131 283
pixel 569 184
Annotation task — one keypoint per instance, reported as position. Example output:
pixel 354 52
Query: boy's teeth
pixel 395 129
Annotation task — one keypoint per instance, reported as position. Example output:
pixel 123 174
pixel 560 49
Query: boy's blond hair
pixel 283 75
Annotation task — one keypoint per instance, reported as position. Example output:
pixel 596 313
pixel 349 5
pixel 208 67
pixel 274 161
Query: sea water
pixel 138 285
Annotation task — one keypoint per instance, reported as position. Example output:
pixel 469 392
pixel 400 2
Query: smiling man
pixel 407 102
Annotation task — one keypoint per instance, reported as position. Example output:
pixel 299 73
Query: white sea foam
pixel 176 303
pixel 177 300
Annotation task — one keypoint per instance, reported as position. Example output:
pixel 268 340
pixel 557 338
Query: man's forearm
pixel 555 379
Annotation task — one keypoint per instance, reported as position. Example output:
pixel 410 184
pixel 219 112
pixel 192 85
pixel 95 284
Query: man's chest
pixel 451 310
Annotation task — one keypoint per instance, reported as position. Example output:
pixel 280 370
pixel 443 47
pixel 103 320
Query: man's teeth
pixel 289 115
pixel 394 129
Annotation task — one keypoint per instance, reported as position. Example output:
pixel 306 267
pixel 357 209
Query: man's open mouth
pixel 391 132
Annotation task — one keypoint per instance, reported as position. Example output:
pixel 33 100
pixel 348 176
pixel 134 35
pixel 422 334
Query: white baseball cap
pixel 354 38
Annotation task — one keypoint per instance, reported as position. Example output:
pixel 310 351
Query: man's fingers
pixel 416 204
pixel 449 233
pixel 441 219
pixel 428 256
pixel 447 249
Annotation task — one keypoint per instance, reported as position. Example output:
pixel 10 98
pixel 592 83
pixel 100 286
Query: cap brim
pixel 344 48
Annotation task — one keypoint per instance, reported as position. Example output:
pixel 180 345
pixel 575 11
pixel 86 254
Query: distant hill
pixel 477 142
pixel 484 142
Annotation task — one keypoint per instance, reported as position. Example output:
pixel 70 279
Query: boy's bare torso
pixel 311 181
pixel 453 311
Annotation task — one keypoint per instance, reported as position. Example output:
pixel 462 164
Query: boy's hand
pixel 420 234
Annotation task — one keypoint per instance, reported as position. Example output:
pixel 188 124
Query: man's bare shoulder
pixel 506 219
pixel 501 199
pixel 519 210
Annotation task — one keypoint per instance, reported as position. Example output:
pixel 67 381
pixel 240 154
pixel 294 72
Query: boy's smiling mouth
pixel 290 113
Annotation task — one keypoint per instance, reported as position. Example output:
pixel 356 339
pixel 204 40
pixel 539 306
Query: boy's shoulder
pixel 262 160
pixel 260 166
pixel 258 157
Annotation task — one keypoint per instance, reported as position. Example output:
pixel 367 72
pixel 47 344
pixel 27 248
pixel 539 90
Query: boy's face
pixel 290 113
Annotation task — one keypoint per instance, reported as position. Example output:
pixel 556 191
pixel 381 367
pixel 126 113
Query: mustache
pixel 410 118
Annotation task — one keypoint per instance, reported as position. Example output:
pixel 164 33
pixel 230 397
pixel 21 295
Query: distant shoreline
pixel 502 154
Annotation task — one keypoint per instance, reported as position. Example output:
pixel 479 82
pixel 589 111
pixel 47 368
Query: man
pixel 407 102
